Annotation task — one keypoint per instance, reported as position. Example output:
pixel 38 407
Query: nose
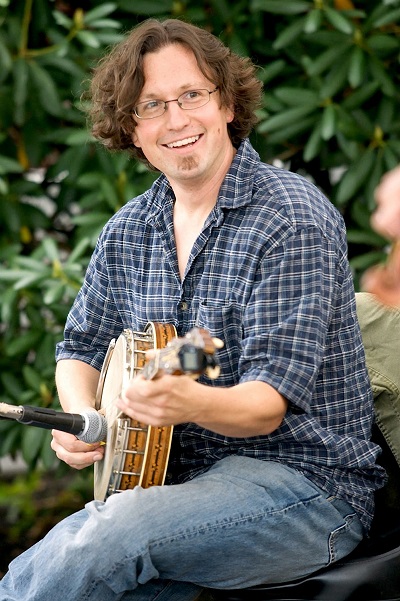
pixel 176 117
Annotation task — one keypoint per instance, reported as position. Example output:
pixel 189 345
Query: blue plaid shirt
pixel 269 276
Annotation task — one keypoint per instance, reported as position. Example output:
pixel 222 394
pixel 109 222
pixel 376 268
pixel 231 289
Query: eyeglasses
pixel 192 99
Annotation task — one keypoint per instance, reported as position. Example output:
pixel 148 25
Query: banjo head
pixel 124 358
pixel 127 461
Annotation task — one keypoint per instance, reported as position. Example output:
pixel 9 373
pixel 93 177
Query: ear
pixel 135 139
pixel 230 114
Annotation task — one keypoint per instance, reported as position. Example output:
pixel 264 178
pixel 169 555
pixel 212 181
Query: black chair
pixel 370 573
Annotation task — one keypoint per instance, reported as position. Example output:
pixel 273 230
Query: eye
pixel 151 104
pixel 192 95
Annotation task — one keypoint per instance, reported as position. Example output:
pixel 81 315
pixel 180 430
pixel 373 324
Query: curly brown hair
pixel 118 81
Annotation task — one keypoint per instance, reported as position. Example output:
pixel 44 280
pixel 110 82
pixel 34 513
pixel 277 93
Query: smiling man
pixel 188 141
pixel 272 471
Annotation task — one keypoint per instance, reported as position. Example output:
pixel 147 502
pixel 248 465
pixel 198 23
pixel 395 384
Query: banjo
pixel 137 454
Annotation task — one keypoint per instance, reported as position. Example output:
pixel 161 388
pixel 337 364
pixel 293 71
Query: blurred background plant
pixel 331 75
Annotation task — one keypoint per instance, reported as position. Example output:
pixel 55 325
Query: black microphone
pixel 89 426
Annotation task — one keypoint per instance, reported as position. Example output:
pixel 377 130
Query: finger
pixel 77 459
pixel 73 444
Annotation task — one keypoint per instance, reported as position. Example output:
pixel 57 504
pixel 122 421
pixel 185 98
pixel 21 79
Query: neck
pixel 196 204
pixel 198 196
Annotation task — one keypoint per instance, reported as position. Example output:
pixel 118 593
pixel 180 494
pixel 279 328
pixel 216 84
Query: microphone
pixel 90 426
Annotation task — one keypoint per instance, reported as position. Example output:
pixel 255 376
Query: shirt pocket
pixel 224 321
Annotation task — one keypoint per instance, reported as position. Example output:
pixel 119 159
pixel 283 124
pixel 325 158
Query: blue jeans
pixel 241 523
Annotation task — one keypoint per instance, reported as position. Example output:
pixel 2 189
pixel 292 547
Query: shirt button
pixel 183 306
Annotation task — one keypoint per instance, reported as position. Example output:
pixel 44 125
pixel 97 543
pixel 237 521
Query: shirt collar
pixel 236 189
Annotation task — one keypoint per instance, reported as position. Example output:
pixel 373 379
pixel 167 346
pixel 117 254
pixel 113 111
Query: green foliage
pixel 39 501
pixel 330 69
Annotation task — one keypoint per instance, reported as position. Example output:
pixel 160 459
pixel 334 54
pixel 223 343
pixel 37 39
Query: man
pixel 384 280
pixel 386 218
pixel 272 472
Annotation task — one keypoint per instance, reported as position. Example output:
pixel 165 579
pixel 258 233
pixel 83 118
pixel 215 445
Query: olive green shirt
pixel 380 329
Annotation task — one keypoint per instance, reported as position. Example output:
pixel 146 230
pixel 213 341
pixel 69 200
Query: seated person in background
pixel 272 471
pixel 380 328
pixel 384 280
pixel 386 218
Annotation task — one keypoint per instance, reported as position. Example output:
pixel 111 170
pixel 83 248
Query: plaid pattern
pixel 269 276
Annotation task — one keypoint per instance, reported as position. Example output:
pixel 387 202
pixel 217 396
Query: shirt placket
pixel 195 270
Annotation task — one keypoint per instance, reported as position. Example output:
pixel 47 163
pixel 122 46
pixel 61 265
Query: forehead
pixel 173 67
